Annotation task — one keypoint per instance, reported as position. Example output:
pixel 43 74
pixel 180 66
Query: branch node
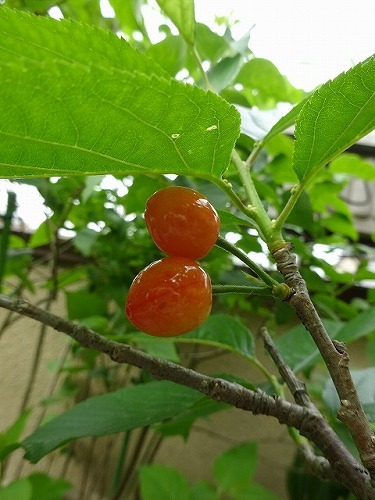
pixel 340 347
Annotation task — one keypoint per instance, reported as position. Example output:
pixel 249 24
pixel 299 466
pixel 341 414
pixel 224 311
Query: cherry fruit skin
pixel 169 297
pixel 182 222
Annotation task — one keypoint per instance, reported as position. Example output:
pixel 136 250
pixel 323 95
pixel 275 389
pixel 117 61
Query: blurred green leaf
pixel 364 383
pixel 85 239
pixel 223 73
pixel 337 115
pixel 82 304
pixel 234 471
pixel 9 439
pixel 181 13
pixel 210 45
pixel 42 236
pixel 363 324
pixel 353 165
pixel 235 468
pixel 142 188
pixel 160 348
pixel 339 224
pixel 20 489
pixel 170 53
pixel 117 411
pixel 298 349
pixel 164 483
pixel 129 15
pixel 202 490
pixel 48 488
pixel 264 84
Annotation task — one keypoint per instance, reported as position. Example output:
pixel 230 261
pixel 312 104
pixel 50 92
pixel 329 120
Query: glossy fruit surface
pixel 169 297
pixel 182 222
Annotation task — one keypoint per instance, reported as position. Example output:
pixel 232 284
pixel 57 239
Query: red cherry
pixel 182 222
pixel 169 297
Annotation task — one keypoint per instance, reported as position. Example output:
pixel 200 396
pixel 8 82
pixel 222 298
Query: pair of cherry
pixel 173 295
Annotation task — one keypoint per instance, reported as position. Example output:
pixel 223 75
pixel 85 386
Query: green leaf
pixel 256 492
pixel 202 490
pixel 118 411
pixel 337 115
pixel 364 383
pixel 223 73
pixel 285 121
pixel 353 165
pixel 182 423
pixel 235 468
pixel 157 347
pixel 129 14
pixel 210 45
pixel 181 13
pixel 164 483
pixel 255 122
pixel 42 236
pixel 170 53
pixel 339 224
pixel 228 219
pixel 298 349
pixel 20 489
pixel 262 76
pixel 224 331
pixel 48 488
pixel 10 437
pixel 85 240
pixel 83 304
pixel 78 100
pixel 363 324
pixel 142 188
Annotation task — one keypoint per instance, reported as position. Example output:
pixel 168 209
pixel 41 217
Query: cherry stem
pixel 245 289
pixel 237 252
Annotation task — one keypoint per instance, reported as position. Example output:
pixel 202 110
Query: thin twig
pixel 317 464
pixel 296 386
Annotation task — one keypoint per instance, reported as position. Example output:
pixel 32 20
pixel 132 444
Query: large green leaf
pixel 78 100
pixel 118 411
pixel 337 115
pixel 181 13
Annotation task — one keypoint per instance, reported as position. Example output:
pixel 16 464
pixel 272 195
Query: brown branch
pixel 309 423
pixel 335 357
